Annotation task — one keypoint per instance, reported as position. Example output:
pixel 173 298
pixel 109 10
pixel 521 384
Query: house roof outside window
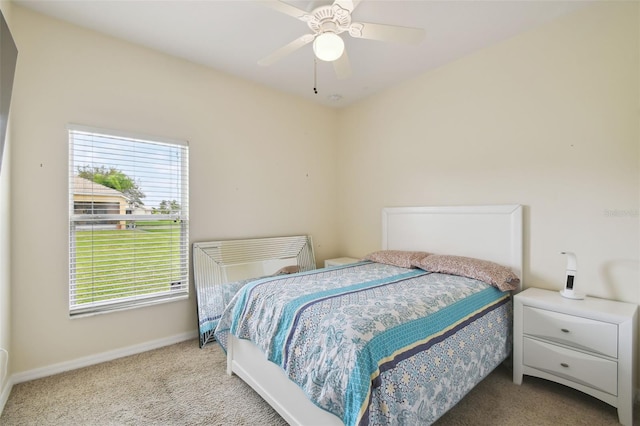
pixel 82 186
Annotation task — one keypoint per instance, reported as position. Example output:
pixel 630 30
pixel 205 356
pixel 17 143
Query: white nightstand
pixel 589 345
pixel 339 261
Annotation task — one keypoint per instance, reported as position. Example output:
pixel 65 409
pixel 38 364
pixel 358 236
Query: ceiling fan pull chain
pixel 315 77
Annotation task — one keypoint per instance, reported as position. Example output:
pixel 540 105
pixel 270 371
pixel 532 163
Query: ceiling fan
pixel 327 23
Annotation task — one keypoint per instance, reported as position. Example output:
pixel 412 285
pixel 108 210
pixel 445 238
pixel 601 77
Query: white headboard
pixel 491 233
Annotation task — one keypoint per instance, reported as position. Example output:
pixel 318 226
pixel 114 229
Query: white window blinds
pixel 128 220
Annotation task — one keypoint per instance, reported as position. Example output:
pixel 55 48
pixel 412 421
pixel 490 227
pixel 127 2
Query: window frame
pixel 174 293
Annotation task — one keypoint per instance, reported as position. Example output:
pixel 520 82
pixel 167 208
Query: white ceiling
pixel 232 35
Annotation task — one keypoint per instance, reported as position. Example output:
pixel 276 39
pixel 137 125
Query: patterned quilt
pixel 211 304
pixel 374 343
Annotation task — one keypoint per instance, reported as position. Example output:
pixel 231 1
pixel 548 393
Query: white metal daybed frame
pixel 487 232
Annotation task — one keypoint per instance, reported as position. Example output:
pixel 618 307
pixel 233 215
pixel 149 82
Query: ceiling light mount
pixel 327 22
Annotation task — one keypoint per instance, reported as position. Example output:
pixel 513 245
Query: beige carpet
pixel 184 385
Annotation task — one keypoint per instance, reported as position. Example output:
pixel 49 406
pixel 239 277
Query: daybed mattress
pixel 374 343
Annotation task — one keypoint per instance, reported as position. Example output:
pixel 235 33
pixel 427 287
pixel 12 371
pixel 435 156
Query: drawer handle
pixel 564 330
pixel 564 364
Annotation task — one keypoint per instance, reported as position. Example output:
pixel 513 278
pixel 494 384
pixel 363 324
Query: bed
pixel 383 341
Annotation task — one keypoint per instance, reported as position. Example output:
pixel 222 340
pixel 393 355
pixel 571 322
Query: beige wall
pixel 261 164
pixel 5 251
pixel 548 119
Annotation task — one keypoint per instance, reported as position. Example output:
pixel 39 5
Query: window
pixel 128 220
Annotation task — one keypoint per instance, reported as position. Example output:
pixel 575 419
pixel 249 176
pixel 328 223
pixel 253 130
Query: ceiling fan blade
pixel 386 32
pixel 342 66
pixel 287 9
pixel 347 4
pixel 286 49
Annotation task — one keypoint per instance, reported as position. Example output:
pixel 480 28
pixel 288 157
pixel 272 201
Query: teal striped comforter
pixel 374 343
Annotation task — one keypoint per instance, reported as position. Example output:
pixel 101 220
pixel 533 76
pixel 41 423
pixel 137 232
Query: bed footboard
pixel 270 382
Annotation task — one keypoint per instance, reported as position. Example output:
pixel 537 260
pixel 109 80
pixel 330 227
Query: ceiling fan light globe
pixel 328 47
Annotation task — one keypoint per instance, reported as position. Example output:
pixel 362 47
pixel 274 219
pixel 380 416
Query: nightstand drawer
pixel 591 335
pixel 578 367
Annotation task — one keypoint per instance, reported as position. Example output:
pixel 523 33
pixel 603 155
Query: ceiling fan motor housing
pixel 332 18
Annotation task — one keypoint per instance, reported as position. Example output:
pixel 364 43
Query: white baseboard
pixel 86 361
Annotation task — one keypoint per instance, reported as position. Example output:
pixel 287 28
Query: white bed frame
pixel 486 232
